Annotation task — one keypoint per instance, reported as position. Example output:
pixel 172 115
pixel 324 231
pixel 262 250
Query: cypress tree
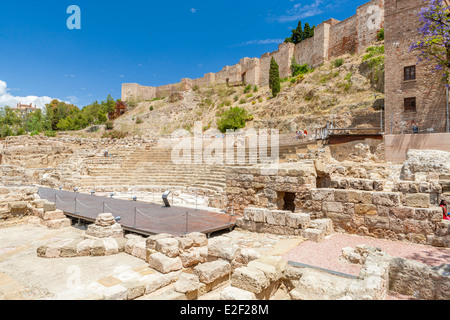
pixel 274 78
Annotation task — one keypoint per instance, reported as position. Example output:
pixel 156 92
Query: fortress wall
pixel 343 37
pixel 205 81
pixel 304 51
pixel 370 21
pixel 321 41
pixel 332 38
pixel 136 91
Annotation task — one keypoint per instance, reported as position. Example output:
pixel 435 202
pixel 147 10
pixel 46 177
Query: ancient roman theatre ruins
pixel 250 225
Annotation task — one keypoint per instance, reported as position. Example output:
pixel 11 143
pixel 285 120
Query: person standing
pixel 443 205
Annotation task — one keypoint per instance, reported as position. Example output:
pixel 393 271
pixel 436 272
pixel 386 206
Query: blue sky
pixel 138 41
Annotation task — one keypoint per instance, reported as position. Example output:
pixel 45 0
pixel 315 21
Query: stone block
pixel 315 235
pixel 386 199
pixel 365 209
pixel 191 257
pixel 53 215
pixel 211 271
pixel 341 195
pixel 198 239
pixel 168 246
pixel 98 248
pixel 325 225
pixel 250 279
pixel 218 248
pixel 117 292
pixel 151 241
pixel 163 263
pixel 276 217
pixel 184 243
pixel 418 200
pixel 402 212
pixel 272 266
pixel 135 289
pixel 58 224
pixel 69 250
pixel 336 207
pixel 419 227
pixel 232 293
pixel 84 248
pixel 298 220
pixel 322 194
pixel 377 222
pixel 187 283
pixel 48 206
pixel 111 247
pixel 255 214
pixel 18 208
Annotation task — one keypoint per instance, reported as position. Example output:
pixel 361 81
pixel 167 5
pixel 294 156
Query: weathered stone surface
pixel 272 266
pixel 105 220
pixel 84 248
pixel 366 209
pixel 191 257
pixel 187 283
pixel 386 199
pixel 336 207
pixel 298 220
pixel 58 224
pixel 220 248
pixel 250 279
pixel 313 234
pixel 402 212
pixel 135 289
pixel 325 225
pixel 232 293
pixel 322 195
pixel 98 248
pixel 111 247
pixel 53 215
pixel 418 200
pixel 276 217
pixel 255 214
pixel 211 271
pixel 168 246
pixel 151 241
pixel 199 239
pixel 164 264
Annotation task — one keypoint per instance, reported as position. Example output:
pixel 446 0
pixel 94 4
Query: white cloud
pixel 193 10
pixel 265 41
pixel 6 99
pixel 300 11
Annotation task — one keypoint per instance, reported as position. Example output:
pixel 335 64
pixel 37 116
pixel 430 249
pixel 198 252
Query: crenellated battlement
pixel 332 38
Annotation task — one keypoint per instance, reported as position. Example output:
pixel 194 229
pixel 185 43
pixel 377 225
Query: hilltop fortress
pixel 332 38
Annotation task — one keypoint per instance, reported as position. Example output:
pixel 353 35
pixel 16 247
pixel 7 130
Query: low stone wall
pixel 433 283
pixel 284 223
pixel 15 202
pixel 390 215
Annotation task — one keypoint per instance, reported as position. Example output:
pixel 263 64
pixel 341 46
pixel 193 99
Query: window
pixel 410 73
pixel 410 105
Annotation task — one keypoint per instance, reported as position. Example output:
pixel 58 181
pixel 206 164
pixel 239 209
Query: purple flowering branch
pixel 434 44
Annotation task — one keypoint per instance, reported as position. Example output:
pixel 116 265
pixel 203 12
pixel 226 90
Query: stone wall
pixel 332 38
pixel 401 25
pixel 248 186
pixel 411 217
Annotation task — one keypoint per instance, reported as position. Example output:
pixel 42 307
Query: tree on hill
pixel 299 34
pixel 274 78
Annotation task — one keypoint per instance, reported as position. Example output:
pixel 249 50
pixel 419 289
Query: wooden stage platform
pixel 139 217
